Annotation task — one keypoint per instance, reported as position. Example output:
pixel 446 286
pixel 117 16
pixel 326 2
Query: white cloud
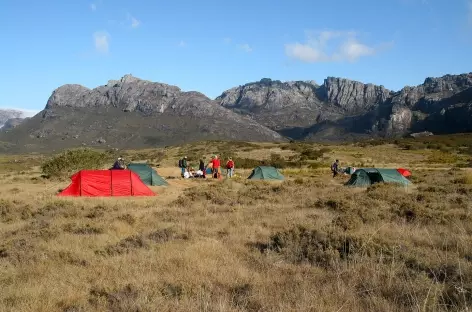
pixel 227 40
pixel 330 46
pixel 182 44
pixel 135 23
pixel 245 47
pixel 102 41
pixel 93 7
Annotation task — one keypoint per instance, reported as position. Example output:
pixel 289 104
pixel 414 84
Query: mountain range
pixel 135 113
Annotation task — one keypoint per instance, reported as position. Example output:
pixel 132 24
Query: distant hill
pixel 16 117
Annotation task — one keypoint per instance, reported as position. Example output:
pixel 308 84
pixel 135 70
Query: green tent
pixel 367 176
pixel 350 170
pixel 265 173
pixel 148 175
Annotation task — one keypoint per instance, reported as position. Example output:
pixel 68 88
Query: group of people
pixel 187 171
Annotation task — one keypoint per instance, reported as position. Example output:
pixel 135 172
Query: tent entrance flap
pixel 375 177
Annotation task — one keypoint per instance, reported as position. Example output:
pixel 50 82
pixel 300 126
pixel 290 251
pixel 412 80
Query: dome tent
pixel 365 177
pixel 265 173
pixel 148 175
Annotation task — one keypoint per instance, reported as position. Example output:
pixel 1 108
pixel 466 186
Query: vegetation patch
pixel 71 161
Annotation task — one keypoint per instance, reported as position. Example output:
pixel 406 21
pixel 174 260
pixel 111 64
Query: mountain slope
pixel 130 113
pixel 341 108
pixel 7 114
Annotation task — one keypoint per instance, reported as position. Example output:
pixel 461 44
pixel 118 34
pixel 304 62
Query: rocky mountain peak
pixel 129 94
pixel 352 95
pixel 447 83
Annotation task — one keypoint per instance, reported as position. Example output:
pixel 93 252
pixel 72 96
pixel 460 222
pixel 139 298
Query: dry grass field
pixel 305 244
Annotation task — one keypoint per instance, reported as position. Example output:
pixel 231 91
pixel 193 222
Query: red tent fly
pixel 404 172
pixel 98 183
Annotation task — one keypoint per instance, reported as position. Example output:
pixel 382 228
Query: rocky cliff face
pixel 132 113
pixel 352 96
pixel 296 107
pixel 135 113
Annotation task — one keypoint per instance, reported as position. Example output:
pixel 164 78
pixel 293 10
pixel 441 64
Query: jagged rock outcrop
pixel 129 94
pixel 135 113
pixel 353 96
pixel 351 107
pixel 131 113
pixel 281 105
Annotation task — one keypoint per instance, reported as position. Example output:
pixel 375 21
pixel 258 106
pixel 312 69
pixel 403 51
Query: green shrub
pixel 71 161
pixel 313 154
pixel 246 163
pixel 439 157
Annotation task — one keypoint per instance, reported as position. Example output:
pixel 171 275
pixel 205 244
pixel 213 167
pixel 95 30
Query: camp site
pixel 391 231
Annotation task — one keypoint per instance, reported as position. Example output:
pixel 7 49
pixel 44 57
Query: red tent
pixel 404 172
pixel 106 183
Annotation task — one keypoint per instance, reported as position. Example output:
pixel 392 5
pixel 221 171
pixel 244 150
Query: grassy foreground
pixel 306 244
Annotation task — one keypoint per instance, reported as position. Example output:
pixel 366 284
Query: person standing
pixel 183 165
pixel 335 168
pixel 201 167
pixel 230 168
pixel 215 163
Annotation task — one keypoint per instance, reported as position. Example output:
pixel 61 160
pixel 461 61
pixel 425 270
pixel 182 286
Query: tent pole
pixel 131 182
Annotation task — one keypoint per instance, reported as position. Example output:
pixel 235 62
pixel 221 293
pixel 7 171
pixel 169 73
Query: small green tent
pixel 148 175
pixel 365 177
pixel 265 173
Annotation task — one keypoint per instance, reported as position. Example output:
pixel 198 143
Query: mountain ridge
pixel 153 113
pixel 388 113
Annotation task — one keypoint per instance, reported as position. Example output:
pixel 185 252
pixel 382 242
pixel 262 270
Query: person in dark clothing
pixel 335 168
pixel 183 165
pixel 202 168
pixel 119 164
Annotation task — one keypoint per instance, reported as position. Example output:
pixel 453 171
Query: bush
pixel 439 157
pixel 246 163
pixel 71 161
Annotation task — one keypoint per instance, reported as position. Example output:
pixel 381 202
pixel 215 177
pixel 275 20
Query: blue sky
pixel 213 45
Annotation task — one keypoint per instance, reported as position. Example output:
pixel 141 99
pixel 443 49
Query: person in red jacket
pixel 215 165
pixel 230 168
